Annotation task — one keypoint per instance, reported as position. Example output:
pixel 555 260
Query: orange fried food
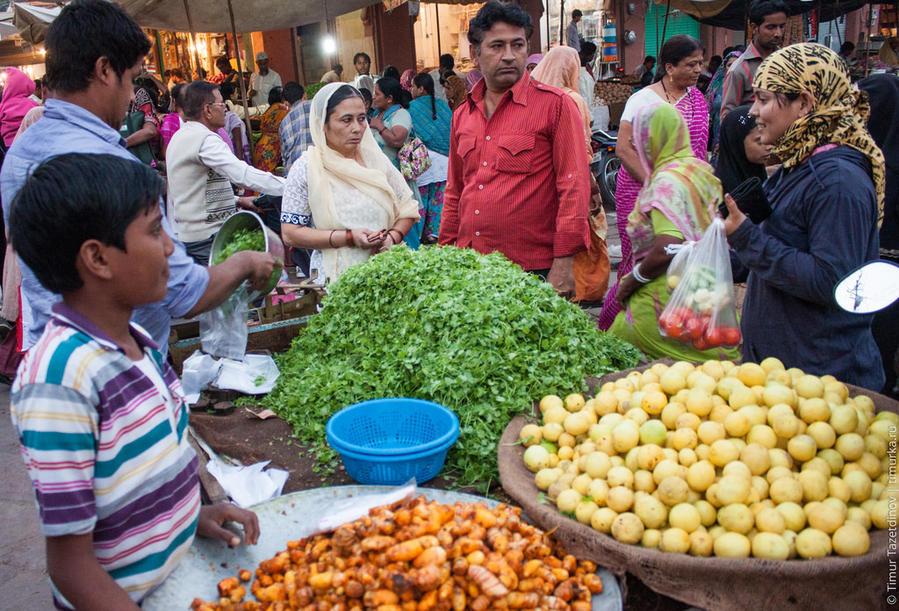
pixel 418 555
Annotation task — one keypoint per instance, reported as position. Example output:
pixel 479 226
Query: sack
pixel 701 310
pixel 413 158
pixel 134 122
pixel 592 268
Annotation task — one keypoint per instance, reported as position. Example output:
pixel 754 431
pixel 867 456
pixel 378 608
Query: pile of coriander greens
pixel 472 332
pixel 242 239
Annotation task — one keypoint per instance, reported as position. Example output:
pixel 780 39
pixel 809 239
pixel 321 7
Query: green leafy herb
pixel 242 239
pixel 474 333
pixel 259 380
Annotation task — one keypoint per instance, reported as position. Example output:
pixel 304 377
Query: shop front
pixel 440 29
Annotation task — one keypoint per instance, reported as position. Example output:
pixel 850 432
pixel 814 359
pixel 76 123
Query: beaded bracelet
pixel 331 238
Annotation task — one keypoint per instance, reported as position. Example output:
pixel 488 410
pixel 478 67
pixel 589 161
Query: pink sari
pixel 695 111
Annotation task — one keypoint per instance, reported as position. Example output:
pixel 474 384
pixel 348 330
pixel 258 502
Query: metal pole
pixel 562 39
pixel 243 86
pixel 868 41
pixel 193 36
pixel 656 11
pixel 159 54
pixel 439 49
pixel 665 25
pixel 548 33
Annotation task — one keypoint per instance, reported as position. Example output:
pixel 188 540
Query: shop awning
pixel 32 20
pixel 731 14
pixel 249 15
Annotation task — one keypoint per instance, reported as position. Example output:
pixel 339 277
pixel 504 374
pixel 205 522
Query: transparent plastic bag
pixel 223 330
pixel 678 264
pixel 701 310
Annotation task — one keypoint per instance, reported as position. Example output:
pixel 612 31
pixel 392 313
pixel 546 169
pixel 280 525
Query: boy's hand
pixel 212 517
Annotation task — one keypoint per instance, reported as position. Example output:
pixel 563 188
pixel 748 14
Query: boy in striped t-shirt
pixel 100 416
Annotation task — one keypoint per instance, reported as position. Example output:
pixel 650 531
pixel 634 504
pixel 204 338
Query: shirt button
pixel 569 176
pixel 477 233
pixel 480 186
pixel 477 211
pixel 484 164
pixel 488 137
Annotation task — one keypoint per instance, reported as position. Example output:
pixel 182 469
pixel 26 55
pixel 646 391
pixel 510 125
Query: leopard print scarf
pixel 840 112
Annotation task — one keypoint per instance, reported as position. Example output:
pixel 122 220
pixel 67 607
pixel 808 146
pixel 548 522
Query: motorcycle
pixel 605 164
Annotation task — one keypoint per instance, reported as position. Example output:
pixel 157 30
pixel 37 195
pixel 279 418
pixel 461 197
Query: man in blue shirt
pixel 94 53
pixel 572 37
pixel 294 130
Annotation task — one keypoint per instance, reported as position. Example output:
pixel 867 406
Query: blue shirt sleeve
pixel 187 279
pixel 838 222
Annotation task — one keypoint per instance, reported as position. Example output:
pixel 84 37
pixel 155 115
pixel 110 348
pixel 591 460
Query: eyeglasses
pixel 222 104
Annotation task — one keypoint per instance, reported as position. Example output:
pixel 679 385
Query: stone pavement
pixel 23 574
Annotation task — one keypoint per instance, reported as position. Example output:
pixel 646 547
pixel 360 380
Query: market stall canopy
pixel 732 14
pixel 249 15
pixel 7 27
pixel 32 20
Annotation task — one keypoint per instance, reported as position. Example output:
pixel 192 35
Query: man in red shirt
pixel 518 171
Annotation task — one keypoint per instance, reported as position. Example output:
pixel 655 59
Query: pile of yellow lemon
pixel 721 459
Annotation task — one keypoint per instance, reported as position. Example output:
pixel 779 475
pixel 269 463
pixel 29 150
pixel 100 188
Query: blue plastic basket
pixel 393 470
pixel 388 441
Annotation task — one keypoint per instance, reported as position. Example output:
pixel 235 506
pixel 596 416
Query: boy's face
pixel 141 272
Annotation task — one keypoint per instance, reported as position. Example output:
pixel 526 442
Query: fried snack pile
pixel 418 555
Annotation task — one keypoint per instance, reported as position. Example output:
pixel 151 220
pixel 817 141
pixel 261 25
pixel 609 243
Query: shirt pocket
pixel 465 150
pixel 515 153
pixel 466 145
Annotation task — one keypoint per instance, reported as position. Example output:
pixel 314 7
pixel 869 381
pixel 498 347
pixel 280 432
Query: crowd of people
pixel 111 210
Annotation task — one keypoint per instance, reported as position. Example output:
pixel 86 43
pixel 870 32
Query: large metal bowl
pixel 245 219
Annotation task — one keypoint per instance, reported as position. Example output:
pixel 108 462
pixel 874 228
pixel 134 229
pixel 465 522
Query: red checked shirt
pixel 518 182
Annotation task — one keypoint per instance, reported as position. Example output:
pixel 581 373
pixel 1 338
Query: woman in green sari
pixel 676 204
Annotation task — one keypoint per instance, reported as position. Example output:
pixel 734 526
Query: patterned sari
pixel 694 110
pixel 268 148
pixel 678 199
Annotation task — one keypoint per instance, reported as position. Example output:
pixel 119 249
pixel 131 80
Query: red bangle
pixel 331 239
pixel 399 233
pixel 349 238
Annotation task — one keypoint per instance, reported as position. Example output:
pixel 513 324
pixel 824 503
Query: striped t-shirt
pixel 106 449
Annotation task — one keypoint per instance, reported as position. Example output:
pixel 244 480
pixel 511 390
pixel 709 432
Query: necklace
pixel 675 102
pixel 668 97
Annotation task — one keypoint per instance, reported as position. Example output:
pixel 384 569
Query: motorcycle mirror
pixel 870 288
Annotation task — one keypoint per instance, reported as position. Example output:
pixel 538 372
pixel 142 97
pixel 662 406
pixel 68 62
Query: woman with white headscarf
pixel 343 197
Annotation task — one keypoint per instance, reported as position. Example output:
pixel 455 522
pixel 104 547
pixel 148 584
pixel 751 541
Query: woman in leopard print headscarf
pixel 826 201
pixel 839 112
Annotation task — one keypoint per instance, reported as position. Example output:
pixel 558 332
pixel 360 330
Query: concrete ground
pixel 23 573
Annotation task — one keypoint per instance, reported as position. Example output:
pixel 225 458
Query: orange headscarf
pixel 561 68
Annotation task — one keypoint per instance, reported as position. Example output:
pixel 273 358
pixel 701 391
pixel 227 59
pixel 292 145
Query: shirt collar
pixel 751 52
pixel 83 118
pixel 73 319
pixel 519 90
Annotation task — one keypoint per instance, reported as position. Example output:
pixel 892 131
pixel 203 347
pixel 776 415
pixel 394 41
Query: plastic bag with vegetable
pixel 701 310
pixel 678 264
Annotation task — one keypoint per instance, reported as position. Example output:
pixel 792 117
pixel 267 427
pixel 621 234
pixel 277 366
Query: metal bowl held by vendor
pixel 245 219
pixel 389 441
